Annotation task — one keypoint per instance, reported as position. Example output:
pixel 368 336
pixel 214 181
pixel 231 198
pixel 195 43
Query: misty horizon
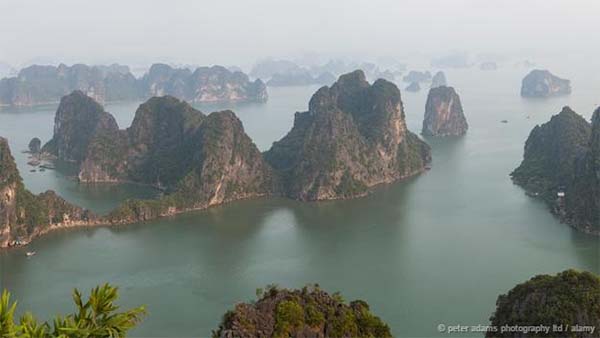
pixel 240 34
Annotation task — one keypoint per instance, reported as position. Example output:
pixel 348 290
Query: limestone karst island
pixel 299 169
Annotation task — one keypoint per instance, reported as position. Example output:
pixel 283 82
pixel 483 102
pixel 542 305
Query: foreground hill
pixel 309 312
pixel 564 303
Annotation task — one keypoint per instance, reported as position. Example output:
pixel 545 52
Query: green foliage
pixel 568 298
pixel 96 317
pixel 313 316
pixel 288 313
pixel 289 316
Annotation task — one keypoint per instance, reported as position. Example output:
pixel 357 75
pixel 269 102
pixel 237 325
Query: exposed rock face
pixel 199 160
pixel 415 76
pixel 309 312
pixel 24 215
pixel 582 200
pixel 47 84
pixel 205 84
pixel 542 83
pixel 353 137
pixel 444 113
pixel 569 298
pixel 35 145
pixel 78 120
pixel 439 80
pixel 560 159
pixel 413 87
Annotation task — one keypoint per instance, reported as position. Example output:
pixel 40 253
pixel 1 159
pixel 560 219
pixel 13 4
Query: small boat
pixel 30 253
pixel 504 121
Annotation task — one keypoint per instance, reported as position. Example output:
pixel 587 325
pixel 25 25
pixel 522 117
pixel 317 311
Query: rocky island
pixel 47 84
pixel 352 137
pixel 24 215
pixel 542 83
pixel 444 113
pixel 309 312
pixel 569 299
pixel 200 160
pixel 560 166
pixel 36 85
pixel 205 84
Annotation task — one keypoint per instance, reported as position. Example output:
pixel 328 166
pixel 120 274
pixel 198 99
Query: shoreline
pixel 104 221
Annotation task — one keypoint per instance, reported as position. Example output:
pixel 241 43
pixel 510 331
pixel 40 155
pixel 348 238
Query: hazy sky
pixel 239 32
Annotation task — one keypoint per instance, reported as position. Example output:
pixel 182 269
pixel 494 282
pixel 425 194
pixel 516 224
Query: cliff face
pixel 24 215
pixel 542 83
pixel 567 299
pixel 205 84
pixel 78 120
pixel 353 137
pixel 551 153
pixel 47 84
pixel 444 113
pixel 561 159
pixel 582 200
pixel 309 312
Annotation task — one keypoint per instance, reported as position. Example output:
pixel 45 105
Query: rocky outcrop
pixel 582 198
pixel 566 300
pixel 78 120
pixel 309 312
pixel 35 145
pixel 416 76
pixel 47 84
pixel 199 160
pixel 542 83
pixel 444 113
pixel 24 215
pixel 439 80
pixel 352 138
pixel 205 84
pixel 413 87
pixel 559 166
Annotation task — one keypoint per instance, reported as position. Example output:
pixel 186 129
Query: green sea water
pixel 435 249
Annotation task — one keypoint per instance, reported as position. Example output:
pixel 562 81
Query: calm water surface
pixel 437 248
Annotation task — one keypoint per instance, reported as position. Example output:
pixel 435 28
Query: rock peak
pixel 444 113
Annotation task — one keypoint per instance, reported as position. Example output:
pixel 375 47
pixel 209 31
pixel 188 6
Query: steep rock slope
pixel 542 83
pixel 24 215
pixel 444 114
pixel 353 137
